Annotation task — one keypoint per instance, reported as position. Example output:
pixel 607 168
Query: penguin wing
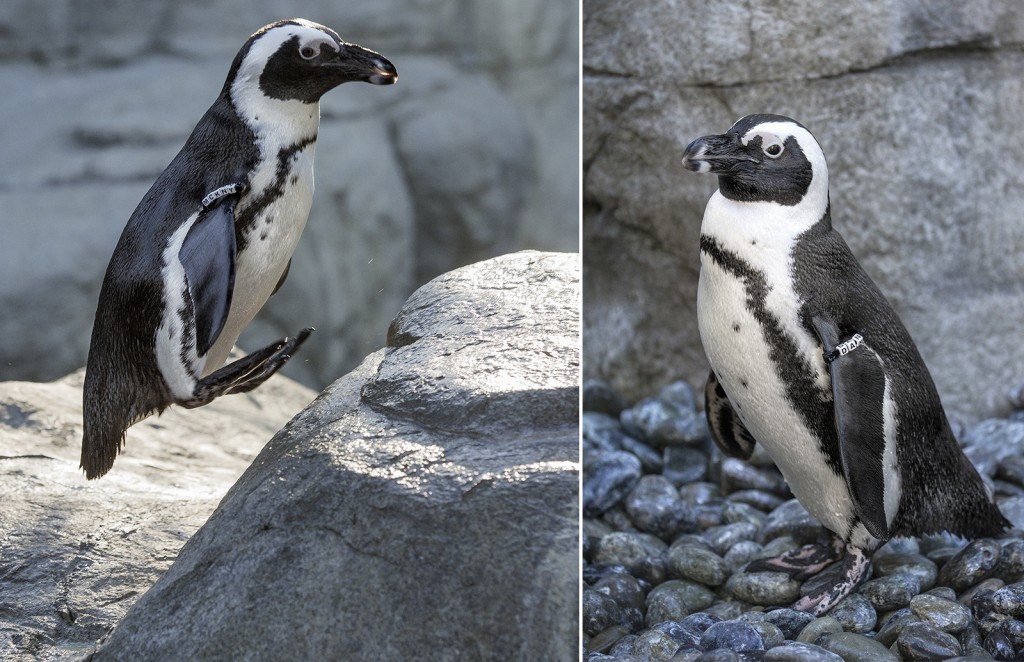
pixel 726 428
pixel 208 258
pixel 858 393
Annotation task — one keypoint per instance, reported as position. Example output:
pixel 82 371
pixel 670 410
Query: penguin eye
pixel 307 52
pixel 774 150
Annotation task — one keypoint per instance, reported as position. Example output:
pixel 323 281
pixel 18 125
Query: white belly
pixel 738 352
pixel 271 241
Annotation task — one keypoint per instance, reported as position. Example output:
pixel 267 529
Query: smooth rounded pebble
pixel 607 478
pixel 922 641
pixel 1011 560
pixel 892 592
pixel 855 613
pixel 1010 599
pixel 975 562
pixel 685 634
pixel 627 548
pixel 680 394
pixel 760 499
pixel 604 640
pixel 655 507
pixel 660 422
pixel 790 621
pixel 857 648
pixel 599 612
pixel 984 611
pixel 740 475
pixel 763 588
pixel 999 647
pixel 770 633
pixel 818 629
pixel 891 627
pixel 946 615
pixel 625 589
pixel 651 459
pixel 698 564
pixel 800 652
pixel 722 538
pixel 734 512
pixel 734 635
pixel 683 465
pixel 791 519
pixel 911 564
pixel 742 553
pixel 1014 631
pixel 674 599
pixel 655 645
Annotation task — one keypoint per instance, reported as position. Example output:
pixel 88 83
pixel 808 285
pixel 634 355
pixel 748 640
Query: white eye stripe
pixel 772 145
pixel 311 48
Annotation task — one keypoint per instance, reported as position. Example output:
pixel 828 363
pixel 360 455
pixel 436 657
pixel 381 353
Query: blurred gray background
pixel 919 107
pixel 472 154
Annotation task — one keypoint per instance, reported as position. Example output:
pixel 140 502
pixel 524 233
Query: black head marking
pixel 299 60
pixel 753 166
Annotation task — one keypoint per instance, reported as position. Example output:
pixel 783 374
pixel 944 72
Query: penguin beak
pixel 357 63
pixel 716 154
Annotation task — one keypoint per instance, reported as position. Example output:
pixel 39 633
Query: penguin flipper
pixel 858 393
pixel 728 431
pixel 208 258
pixel 284 275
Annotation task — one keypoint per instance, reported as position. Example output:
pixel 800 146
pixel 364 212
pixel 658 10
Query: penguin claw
pixel 801 563
pixel 856 567
pixel 246 373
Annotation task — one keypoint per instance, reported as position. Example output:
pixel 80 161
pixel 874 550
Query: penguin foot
pixel 246 373
pixel 801 563
pixel 856 567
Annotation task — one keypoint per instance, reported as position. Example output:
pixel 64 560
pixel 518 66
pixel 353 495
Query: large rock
pixel 916 106
pixel 423 507
pixel 100 95
pixel 75 555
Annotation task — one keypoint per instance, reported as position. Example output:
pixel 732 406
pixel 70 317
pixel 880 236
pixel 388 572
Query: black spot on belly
pixel 263 236
pixel 294 180
pixel 263 199
pixel 736 327
pixel 743 383
pixel 269 219
pixel 753 242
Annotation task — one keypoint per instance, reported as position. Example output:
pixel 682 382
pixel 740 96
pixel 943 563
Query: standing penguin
pixel 213 238
pixel 809 359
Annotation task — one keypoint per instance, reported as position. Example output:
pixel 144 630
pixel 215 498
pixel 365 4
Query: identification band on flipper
pixel 844 348
pixel 218 193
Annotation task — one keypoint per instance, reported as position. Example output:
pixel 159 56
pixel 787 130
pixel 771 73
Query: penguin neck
pixel 763 232
pixel 280 122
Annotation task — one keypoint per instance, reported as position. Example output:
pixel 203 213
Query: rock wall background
pixel 918 106
pixel 474 153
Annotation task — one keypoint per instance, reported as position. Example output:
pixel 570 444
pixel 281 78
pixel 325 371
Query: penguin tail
pixel 108 411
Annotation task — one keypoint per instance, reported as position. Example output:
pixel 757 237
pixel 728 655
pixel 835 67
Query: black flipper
pixel 726 428
pixel 858 391
pixel 208 257
pixel 280 282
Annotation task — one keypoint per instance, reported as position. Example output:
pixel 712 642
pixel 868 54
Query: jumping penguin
pixel 213 238
pixel 810 360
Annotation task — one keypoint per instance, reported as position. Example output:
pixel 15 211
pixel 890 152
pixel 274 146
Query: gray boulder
pixel 75 555
pixel 423 507
pixel 917 108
